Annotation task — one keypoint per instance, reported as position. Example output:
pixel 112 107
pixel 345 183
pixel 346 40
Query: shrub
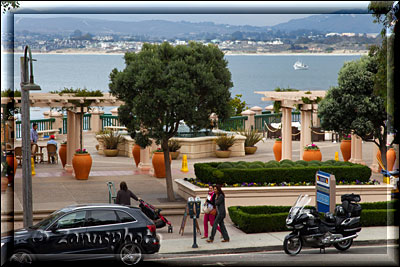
pixel 259 219
pixel 286 165
pixel 225 165
pixel 252 137
pixel 111 140
pixel 256 166
pixel 249 173
pixel 302 162
pixel 286 161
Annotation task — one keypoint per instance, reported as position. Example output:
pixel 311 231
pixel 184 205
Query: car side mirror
pixel 54 229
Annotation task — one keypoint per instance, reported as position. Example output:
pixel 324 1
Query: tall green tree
pixel 163 85
pixel 353 106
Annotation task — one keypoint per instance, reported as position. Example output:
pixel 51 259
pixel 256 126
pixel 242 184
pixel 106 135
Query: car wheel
pixel 21 257
pixel 130 254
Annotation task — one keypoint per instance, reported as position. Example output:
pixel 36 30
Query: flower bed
pixel 259 219
pixel 278 173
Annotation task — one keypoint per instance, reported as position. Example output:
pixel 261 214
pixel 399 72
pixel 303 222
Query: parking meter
pixel 191 208
pixel 197 204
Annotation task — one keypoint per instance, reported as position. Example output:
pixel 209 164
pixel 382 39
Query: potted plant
pixel 252 138
pixel 277 148
pixel 12 163
pixel 345 147
pixel 4 179
pixel 111 141
pixel 312 152
pixel 173 147
pixel 224 142
pixel 158 163
pixel 390 157
pixel 63 153
pixel 82 163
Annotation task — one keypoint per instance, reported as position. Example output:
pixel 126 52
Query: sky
pixel 298 10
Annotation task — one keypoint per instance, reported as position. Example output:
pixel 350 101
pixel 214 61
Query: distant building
pixel 332 34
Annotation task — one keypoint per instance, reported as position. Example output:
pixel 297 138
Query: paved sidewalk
pixel 53 188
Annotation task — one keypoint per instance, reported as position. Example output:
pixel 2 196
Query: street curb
pixel 268 248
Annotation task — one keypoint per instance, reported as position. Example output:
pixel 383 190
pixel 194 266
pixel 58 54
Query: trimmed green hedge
pixel 260 219
pixel 278 172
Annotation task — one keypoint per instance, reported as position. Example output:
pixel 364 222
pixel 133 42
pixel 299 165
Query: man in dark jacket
pixel 124 195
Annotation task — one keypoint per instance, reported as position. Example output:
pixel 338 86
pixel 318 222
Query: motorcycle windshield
pixel 302 201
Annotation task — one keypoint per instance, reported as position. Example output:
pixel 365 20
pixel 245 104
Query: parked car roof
pixel 96 205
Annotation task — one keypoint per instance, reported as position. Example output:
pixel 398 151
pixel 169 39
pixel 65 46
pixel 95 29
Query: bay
pixel 249 73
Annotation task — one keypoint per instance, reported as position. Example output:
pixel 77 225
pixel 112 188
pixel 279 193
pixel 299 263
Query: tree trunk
pixel 168 176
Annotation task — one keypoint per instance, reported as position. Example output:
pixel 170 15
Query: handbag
pixel 213 212
pixel 206 209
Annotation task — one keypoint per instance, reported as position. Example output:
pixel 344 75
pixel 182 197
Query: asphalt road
pixel 377 255
pixel 386 255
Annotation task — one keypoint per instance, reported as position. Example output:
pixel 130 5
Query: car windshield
pixel 301 202
pixel 43 224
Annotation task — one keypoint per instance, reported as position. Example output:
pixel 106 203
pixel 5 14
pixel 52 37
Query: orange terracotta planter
pixel 345 148
pixel 136 154
pixel 390 158
pixel 158 164
pixel 82 163
pixel 310 155
pixel 277 148
pixel 63 154
pixel 12 162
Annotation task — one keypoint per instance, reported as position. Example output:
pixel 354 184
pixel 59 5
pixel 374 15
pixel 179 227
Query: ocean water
pixel 249 73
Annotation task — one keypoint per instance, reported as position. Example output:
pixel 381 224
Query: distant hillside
pixel 340 23
pixel 156 28
pixel 362 23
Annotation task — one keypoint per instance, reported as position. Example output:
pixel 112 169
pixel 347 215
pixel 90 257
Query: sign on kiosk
pixel 325 196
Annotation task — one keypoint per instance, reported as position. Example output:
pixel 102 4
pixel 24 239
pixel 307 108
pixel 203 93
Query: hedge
pixel 260 219
pixel 278 172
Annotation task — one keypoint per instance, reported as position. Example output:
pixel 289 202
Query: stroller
pixel 154 215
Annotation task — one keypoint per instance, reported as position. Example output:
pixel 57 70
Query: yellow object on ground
pixel 184 164
pixel 33 166
pixel 337 156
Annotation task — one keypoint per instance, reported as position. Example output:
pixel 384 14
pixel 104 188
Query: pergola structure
pixel 288 101
pixel 49 100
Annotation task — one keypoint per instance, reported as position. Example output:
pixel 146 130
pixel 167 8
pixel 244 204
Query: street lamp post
pixel 26 86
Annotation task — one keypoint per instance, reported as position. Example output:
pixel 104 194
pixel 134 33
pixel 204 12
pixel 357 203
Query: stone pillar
pixel 95 120
pixel 375 166
pixel 286 133
pixel 144 164
pixel 305 135
pixel 357 150
pixel 257 110
pixel 316 121
pixel 114 112
pixel 71 146
pixel 353 148
pixel 58 123
pixel 249 123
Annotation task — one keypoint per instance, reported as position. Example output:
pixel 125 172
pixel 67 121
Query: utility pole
pixel 26 147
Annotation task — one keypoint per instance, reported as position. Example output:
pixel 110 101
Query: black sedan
pixel 86 232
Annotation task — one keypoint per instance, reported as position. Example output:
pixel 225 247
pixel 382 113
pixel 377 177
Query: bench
pixel 42 133
pixel 112 196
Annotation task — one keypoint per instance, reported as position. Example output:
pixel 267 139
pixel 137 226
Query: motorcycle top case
pixel 351 198
pixel 355 210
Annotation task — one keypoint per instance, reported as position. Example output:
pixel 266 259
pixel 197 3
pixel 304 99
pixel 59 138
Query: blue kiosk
pixel 325 197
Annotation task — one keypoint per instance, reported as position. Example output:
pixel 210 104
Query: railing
pixel 266 119
pixel 193 134
pixel 109 120
pixel 233 123
pixel 44 124
pixel 86 123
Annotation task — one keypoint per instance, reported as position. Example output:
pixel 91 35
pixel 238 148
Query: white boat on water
pixel 300 66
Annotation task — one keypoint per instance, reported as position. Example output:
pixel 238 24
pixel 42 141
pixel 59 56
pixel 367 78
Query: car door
pixel 103 231
pixel 67 234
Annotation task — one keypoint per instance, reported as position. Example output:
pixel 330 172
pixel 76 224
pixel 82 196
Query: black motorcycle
pixel 310 230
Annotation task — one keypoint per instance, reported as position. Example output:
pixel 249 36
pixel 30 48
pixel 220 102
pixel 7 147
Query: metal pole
pixel 26 147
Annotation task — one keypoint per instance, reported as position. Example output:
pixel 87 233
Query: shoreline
pixel 284 53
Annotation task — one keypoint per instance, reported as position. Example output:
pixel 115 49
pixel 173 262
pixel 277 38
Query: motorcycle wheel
pixel 292 245
pixel 344 245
